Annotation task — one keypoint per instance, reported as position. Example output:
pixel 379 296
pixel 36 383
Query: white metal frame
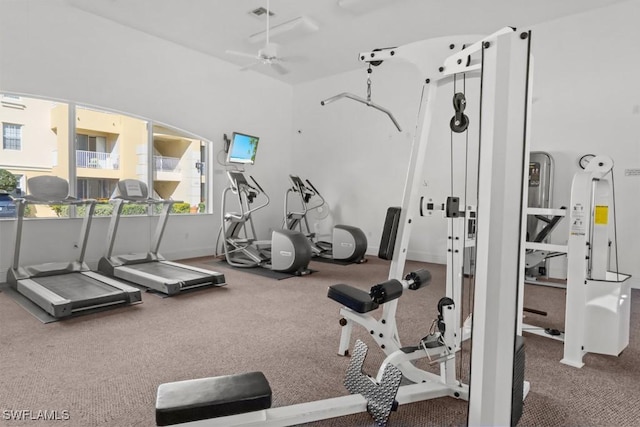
pixel 598 300
pixel 502 186
pixel 597 314
pixel 502 60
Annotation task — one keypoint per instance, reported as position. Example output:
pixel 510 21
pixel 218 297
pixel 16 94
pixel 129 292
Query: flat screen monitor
pixel 242 149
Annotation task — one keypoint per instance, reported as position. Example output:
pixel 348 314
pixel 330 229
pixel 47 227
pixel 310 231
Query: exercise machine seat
pixel 202 398
pixel 353 298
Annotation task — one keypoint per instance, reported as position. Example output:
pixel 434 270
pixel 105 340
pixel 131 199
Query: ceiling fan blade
pixel 279 68
pixel 249 66
pixel 243 54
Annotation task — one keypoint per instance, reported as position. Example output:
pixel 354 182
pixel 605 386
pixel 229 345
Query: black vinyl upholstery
pixel 203 398
pixel 354 298
pixel 389 233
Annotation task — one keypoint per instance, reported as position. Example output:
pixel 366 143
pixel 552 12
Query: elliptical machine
pixel 288 251
pixel 348 243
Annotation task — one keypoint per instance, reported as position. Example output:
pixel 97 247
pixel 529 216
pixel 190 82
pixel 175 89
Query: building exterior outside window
pixel 107 147
pixel 11 136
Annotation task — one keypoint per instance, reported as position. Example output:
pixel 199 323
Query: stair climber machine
pixel 288 251
pixel 64 288
pixel 348 243
pixel 150 269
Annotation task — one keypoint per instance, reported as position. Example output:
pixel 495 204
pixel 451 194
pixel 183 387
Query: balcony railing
pixel 96 160
pixel 166 164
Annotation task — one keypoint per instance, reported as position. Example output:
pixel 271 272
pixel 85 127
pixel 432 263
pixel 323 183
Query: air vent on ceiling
pixel 260 13
pixel 287 31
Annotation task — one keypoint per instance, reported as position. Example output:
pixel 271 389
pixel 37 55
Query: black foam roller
pixel 386 291
pixel 419 278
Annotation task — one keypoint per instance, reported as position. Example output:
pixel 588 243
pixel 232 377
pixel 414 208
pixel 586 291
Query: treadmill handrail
pixel 148 201
pixel 21 204
pixel 67 201
pixel 118 202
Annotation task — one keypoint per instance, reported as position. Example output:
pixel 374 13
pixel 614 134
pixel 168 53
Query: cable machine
pixel 598 299
pixel 502 62
pixel 598 295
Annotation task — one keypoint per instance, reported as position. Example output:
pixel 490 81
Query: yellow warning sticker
pixel 601 216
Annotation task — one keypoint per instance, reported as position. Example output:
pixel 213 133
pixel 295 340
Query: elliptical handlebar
pixel 315 190
pixel 305 193
pixel 248 191
pixel 258 185
pixel 317 193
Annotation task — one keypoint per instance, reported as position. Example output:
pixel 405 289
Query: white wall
pixel 586 99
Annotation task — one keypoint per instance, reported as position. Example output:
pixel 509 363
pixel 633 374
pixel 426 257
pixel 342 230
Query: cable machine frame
pixel 504 68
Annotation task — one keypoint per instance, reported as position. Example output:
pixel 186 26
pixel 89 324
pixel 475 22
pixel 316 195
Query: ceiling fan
pixel 268 55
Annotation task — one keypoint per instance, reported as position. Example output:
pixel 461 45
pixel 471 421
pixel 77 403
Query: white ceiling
pixel 345 27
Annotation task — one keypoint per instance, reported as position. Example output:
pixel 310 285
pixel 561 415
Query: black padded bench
pixel 199 399
pixel 353 298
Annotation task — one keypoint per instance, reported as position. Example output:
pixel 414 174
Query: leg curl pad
pixel 418 278
pixel 353 298
pixel 386 291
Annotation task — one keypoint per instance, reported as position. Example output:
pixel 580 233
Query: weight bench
pixel 199 399
pixel 246 398
pixel 357 304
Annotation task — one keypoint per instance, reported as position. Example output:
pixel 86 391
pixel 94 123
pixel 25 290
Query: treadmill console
pixel 132 189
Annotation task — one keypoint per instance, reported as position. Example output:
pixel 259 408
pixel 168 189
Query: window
pixel 97 144
pixel 96 188
pixel 178 169
pixel 96 150
pixel 11 136
pixel 19 190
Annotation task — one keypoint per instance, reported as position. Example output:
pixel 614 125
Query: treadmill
pixel 150 269
pixel 63 288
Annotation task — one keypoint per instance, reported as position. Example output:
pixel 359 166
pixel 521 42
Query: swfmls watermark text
pixel 35 415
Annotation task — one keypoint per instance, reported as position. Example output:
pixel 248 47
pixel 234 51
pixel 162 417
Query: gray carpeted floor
pixel 104 368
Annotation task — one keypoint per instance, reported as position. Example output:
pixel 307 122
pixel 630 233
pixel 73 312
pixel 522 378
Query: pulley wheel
pixel 461 125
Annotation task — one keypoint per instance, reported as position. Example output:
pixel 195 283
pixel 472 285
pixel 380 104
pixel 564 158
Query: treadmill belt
pixel 82 291
pixel 169 271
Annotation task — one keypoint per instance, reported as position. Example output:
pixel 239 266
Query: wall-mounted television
pixel 242 149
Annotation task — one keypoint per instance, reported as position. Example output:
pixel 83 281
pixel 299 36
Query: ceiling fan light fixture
pixel 290 30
